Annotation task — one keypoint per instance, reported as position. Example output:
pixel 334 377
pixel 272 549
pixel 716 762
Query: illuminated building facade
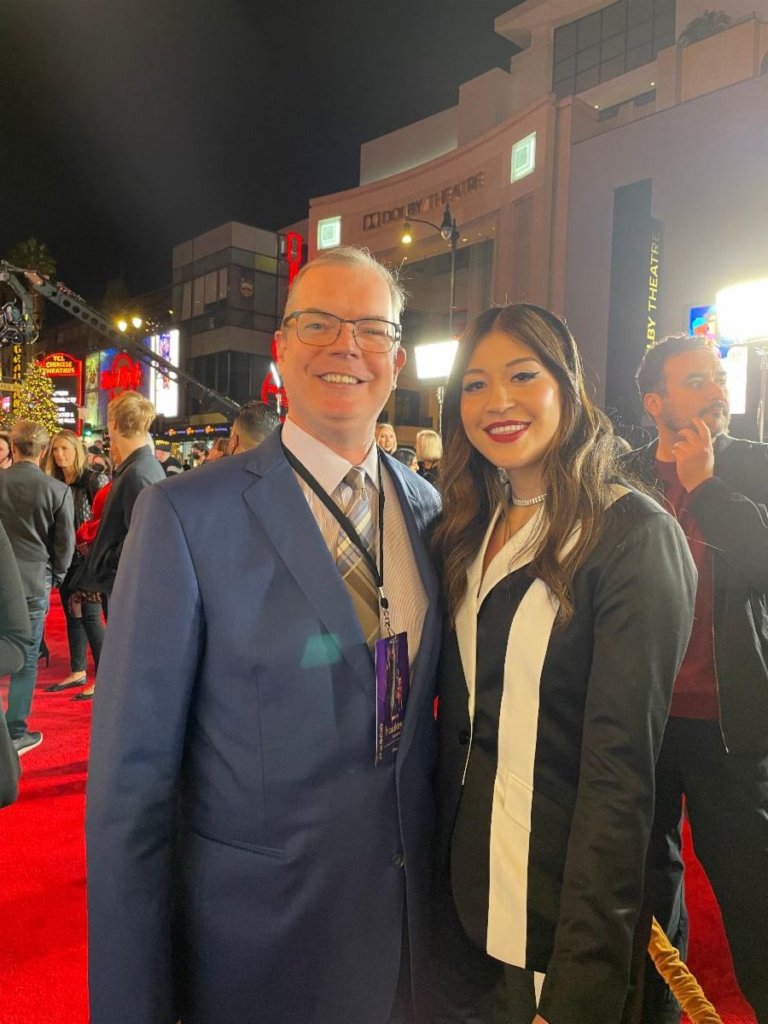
pixel 614 173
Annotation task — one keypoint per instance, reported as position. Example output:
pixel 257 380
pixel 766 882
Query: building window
pixel 524 157
pixel 407 408
pixel 230 373
pixel 329 233
pixel 608 43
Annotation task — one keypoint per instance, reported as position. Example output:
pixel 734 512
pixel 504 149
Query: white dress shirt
pixel 403 586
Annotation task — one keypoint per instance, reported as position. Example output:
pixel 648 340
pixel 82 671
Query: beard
pixel 716 416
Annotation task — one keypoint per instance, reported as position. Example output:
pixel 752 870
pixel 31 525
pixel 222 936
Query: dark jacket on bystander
pixel 731 510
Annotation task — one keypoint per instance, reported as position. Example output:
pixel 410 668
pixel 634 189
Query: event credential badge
pixel 392 686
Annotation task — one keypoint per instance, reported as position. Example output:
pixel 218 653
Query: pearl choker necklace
pixel 529 501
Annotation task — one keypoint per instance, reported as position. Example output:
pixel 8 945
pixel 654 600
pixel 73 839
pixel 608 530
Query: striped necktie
pixel 351 564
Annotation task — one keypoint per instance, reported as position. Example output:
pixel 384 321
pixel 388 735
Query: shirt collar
pixel 325 465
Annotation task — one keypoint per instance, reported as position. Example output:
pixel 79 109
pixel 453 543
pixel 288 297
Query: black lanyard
pixel 377 571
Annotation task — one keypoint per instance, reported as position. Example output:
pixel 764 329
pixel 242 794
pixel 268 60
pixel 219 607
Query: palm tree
pixel 33 255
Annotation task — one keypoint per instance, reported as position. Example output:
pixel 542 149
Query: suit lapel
pixel 278 503
pixel 466 619
pixel 430 637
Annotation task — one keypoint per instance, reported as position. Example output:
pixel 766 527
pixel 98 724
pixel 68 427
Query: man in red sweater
pixel 715 751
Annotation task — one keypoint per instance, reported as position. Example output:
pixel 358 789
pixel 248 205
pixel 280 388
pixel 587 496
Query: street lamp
pixel 122 324
pixel 449 231
pixel 434 362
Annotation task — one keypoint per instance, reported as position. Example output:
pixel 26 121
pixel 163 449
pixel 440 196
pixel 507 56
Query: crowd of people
pixel 285 822
pixel 52 507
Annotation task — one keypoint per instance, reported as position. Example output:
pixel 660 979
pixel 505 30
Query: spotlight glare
pixel 742 311
pixel 434 361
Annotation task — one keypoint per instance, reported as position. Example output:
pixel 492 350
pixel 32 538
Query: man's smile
pixel 340 378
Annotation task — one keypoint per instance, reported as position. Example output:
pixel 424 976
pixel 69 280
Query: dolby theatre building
pixel 616 174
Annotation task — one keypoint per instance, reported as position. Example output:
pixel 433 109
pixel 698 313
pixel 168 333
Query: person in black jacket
pixel 15 641
pixel 715 750
pixel 128 418
pixel 66 460
pixel 570 601
pixel 38 516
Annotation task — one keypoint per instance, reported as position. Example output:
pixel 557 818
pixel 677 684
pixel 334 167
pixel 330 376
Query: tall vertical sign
pixel 272 389
pixel 294 247
pixel 17 372
pixel 164 389
pixel 654 284
pixel 633 313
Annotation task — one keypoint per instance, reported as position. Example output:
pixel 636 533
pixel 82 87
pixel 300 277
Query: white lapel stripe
pixel 513 789
pixel 513 792
pixel 514 554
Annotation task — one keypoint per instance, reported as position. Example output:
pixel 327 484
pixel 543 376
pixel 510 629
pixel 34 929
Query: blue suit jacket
pixel 246 860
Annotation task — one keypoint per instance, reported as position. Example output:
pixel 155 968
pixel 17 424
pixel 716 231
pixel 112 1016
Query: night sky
pixel 127 126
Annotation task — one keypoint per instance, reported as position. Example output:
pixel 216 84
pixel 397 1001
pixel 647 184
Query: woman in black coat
pixel 570 602
pixel 66 460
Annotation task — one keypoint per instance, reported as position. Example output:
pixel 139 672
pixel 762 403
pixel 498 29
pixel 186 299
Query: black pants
pixel 467 984
pixel 727 804
pixel 472 987
pixel 88 629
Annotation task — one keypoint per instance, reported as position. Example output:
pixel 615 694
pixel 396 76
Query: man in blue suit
pixel 253 856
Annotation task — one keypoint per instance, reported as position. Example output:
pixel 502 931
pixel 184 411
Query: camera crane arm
pixel 73 304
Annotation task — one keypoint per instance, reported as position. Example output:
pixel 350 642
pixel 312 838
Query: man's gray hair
pixel 29 437
pixel 351 256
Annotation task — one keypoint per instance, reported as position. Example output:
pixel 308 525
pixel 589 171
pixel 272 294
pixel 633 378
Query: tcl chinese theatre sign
pixel 66 375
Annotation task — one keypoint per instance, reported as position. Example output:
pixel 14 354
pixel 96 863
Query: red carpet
pixel 42 874
pixel 42 858
pixel 709 957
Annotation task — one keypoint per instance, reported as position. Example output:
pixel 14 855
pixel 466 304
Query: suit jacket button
pixel 464 737
pixel 397 860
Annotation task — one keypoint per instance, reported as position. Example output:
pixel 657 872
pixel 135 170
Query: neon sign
pixel 125 374
pixel 294 245
pixel 66 373
pixel 273 387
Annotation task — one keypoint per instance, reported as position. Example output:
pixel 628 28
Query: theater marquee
pixel 434 201
pixel 66 374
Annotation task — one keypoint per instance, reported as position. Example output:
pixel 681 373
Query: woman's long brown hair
pixel 577 468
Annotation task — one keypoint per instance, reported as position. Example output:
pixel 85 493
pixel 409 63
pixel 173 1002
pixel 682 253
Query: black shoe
pixel 27 741
pixel 83 696
pixel 56 687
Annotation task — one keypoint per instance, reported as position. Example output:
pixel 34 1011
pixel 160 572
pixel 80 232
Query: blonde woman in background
pixel 429 451
pixel 386 438
pixel 65 460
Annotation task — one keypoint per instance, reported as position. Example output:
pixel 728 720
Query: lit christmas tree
pixel 34 399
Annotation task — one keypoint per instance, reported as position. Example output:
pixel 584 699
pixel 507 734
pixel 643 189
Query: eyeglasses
pixel 319 329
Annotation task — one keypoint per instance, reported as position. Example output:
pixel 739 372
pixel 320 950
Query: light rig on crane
pixel 19 326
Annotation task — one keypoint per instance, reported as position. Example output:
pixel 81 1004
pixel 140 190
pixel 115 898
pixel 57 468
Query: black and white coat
pixel 547 839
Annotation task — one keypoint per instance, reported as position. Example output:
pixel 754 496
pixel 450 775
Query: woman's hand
pixel 538 1020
